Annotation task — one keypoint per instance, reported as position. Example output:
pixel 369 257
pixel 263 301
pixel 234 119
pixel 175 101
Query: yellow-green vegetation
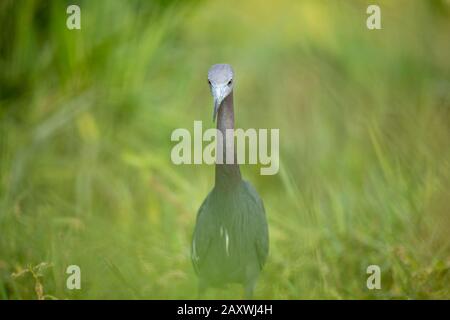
pixel 85 123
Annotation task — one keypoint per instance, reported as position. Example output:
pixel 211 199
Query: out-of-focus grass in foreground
pixel 85 124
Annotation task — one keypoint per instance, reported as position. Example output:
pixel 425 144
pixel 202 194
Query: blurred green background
pixel 85 123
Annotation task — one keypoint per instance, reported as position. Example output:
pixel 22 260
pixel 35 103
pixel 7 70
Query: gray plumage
pixel 230 242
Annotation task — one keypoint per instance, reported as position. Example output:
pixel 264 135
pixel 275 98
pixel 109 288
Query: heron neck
pixel 227 174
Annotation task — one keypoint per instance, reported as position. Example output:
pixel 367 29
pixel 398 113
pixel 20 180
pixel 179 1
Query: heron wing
pixel 262 242
pixel 262 232
pixel 200 239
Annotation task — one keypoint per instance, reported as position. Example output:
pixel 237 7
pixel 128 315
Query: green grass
pixel 85 124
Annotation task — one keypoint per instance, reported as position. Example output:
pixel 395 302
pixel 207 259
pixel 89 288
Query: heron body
pixel 230 242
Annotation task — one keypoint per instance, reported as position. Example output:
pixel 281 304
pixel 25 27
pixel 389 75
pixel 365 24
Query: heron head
pixel 220 79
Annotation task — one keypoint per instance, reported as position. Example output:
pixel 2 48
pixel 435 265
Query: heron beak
pixel 216 108
pixel 218 95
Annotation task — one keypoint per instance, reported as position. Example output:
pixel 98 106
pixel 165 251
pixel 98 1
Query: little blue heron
pixel 231 239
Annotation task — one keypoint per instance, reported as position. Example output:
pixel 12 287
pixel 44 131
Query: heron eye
pixel 230 82
pixel 209 82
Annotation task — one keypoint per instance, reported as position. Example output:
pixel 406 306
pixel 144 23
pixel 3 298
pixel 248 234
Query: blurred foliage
pixel 85 123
